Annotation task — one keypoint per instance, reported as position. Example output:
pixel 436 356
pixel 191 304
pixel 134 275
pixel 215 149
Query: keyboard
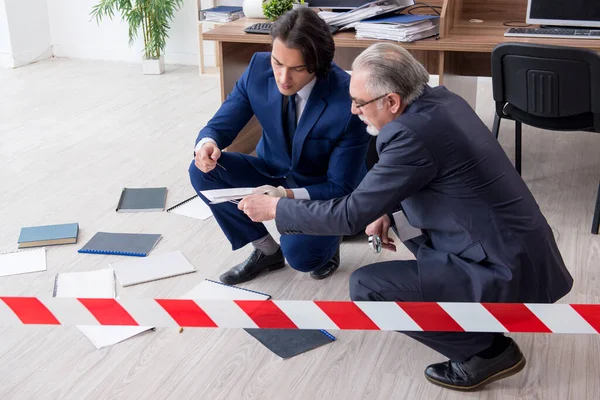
pixel 564 33
pixel 264 28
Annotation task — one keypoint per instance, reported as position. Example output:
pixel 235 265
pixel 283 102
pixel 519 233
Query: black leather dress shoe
pixel 254 265
pixel 476 372
pixel 327 269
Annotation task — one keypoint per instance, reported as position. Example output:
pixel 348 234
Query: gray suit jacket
pixel 485 238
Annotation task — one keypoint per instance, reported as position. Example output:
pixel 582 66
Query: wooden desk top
pixel 464 37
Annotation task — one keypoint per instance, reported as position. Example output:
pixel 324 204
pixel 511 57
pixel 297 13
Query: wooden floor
pixel 73 133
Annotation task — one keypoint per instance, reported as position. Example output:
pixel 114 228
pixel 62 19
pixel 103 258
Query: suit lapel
pixel 275 101
pixel 312 111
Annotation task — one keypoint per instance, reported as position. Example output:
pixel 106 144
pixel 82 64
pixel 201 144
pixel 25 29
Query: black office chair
pixel 549 87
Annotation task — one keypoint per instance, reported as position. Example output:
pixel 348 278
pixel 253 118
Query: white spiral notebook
pixel 23 262
pixel 133 271
pixel 95 284
pixel 194 207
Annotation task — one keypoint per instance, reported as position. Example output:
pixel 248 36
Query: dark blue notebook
pixel 47 235
pixel 121 244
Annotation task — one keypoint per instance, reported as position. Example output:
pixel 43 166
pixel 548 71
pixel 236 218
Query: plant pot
pixel 298 5
pixel 153 66
pixel 253 9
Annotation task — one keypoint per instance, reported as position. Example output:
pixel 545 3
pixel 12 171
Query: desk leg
pixel 201 49
pixel 451 65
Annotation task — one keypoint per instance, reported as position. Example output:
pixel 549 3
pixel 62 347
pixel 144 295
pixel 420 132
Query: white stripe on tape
pixel 69 311
pixel 306 314
pixel 147 313
pixel 226 314
pixel 388 316
pixel 561 318
pixel 7 316
pixel 473 317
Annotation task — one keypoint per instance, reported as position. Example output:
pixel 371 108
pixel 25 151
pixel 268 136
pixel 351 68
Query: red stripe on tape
pixel 108 312
pixel 516 317
pixel 30 310
pixel 266 314
pixel 187 313
pixel 589 312
pixel 430 317
pixel 346 315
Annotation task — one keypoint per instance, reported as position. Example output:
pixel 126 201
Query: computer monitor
pixel 573 13
pixel 335 4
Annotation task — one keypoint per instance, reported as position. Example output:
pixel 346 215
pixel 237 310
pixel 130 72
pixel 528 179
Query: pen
pixel 222 166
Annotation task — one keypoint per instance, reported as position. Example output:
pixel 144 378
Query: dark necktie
pixel 290 119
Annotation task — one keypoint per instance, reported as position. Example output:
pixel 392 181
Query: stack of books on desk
pixel 346 20
pixel 221 14
pixel 400 28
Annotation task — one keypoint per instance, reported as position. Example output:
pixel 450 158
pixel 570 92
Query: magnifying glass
pixel 375 243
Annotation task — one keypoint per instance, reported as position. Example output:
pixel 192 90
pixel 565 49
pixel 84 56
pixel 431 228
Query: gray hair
pixel 392 69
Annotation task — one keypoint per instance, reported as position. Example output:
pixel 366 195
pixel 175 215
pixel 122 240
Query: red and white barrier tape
pixel 344 315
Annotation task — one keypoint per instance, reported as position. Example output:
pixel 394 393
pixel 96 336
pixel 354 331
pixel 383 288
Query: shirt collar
pixel 304 93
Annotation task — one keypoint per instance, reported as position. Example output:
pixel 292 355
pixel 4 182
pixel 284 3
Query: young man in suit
pixel 312 146
pixel 476 231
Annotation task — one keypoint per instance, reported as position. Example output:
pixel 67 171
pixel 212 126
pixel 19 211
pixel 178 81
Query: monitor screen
pixel 337 3
pixel 564 13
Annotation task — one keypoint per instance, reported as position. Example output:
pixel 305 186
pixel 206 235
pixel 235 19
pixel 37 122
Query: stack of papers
pixel 400 28
pixel 349 19
pixel 217 196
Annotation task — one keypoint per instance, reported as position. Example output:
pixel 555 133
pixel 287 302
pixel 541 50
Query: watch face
pixel 375 243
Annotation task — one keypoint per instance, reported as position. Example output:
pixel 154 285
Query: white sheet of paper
pixel 95 284
pixel 212 290
pixel 23 262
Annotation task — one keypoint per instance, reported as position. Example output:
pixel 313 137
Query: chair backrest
pixel 547 86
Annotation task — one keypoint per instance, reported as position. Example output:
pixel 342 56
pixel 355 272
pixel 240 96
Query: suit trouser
pixel 303 252
pixel 399 281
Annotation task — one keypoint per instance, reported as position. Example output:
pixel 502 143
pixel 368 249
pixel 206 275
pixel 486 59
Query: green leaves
pixel 274 9
pixel 152 17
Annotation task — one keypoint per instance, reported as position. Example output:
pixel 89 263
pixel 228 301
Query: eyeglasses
pixel 361 105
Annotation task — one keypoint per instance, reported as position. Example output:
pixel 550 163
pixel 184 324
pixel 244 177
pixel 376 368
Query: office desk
pixel 458 56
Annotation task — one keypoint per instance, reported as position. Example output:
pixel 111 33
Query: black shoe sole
pixel 252 276
pixel 497 376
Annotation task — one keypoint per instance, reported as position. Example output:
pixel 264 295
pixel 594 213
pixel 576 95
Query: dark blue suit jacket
pixel 485 238
pixel 329 146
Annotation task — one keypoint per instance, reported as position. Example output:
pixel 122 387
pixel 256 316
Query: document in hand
pixel 217 196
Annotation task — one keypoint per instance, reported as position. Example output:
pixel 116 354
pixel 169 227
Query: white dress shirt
pixel 301 98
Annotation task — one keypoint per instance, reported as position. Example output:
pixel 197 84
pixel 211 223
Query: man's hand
pixel 271 191
pixel 259 207
pixel 381 228
pixel 206 158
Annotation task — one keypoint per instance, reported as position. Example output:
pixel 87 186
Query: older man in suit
pixel 480 235
pixel 309 147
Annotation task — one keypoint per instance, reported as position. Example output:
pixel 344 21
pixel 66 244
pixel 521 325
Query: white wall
pixel 6 59
pixel 74 34
pixel 28 31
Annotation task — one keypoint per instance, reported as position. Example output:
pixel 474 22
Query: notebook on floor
pixel 142 199
pixel 158 266
pixel 95 284
pixel 285 343
pixel 121 244
pixel 23 262
pixel 47 235
pixel 193 207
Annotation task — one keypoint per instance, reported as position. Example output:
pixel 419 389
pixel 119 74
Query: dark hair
pixel 304 30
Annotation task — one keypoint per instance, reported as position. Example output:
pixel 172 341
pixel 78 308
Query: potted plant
pixel 274 9
pixel 151 17
pixel 300 3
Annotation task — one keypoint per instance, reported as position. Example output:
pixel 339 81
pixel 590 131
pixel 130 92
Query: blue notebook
pixel 47 235
pixel 121 244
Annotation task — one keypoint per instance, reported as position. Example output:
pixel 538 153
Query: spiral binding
pixel 182 203
pixel 118 253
